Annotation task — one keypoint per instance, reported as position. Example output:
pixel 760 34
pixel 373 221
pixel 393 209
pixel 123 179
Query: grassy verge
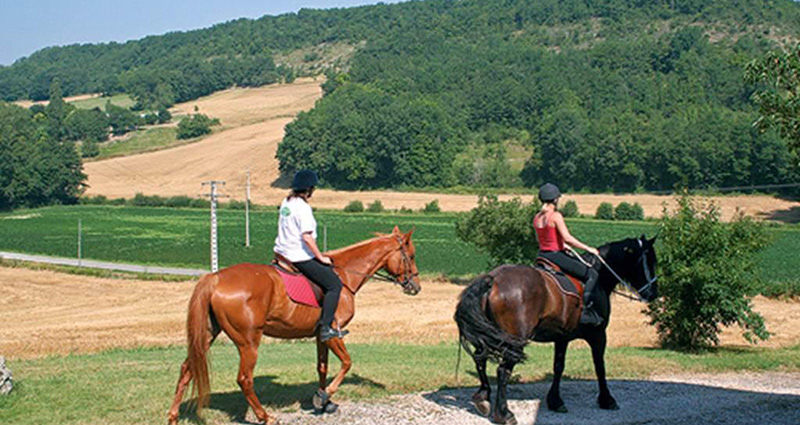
pixel 142 141
pixel 84 271
pixel 136 386
pixel 122 100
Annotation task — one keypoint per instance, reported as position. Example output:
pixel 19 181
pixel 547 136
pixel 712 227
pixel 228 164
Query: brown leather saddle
pixel 286 266
pixel 567 283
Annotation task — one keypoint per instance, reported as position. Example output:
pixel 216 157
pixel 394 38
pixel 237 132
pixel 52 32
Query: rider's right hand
pixel 326 260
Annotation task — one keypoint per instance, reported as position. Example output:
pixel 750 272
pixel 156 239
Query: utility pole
pixel 247 213
pixel 79 242
pixel 214 195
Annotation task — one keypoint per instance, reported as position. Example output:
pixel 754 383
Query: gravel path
pixel 732 399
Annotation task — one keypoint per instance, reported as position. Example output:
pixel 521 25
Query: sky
pixel 29 25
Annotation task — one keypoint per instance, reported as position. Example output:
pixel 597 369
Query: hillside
pixel 607 95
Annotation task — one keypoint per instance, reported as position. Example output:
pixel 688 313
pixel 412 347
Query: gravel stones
pixel 6 382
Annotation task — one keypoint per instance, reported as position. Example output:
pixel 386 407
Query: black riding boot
pixel 589 316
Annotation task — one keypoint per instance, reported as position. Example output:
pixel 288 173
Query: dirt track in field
pixel 44 312
pixel 253 122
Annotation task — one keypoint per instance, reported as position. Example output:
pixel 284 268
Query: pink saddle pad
pixel 298 288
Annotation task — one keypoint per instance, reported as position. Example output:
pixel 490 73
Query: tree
pixel 122 120
pixel 707 270
pixel 779 101
pixel 503 230
pixel 195 125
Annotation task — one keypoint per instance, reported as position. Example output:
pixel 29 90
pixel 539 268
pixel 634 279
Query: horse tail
pixel 475 327
pixel 199 336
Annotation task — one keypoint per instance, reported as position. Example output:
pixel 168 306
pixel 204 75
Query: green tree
pixel 195 125
pixel 605 211
pixel 122 120
pixel 707 271
pixel 502 229
pixel 778 98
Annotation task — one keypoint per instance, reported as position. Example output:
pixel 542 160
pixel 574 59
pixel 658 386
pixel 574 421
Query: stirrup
pixel 327 332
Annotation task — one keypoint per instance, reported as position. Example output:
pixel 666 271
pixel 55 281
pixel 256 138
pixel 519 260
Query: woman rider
pixel 297 242
pixel 552 233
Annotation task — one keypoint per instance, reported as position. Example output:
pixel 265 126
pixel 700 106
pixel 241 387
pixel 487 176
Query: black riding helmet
pixel 304 180
pixel 549 192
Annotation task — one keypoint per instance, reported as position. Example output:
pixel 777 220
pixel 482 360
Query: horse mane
pixel 356 245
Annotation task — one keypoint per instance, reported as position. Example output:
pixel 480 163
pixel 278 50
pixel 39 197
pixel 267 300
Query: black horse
pixel 502 310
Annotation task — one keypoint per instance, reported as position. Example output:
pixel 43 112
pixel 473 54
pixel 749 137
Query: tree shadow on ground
pixel 284 181
pixel 272 395
pixel 791 215
pixel 651 402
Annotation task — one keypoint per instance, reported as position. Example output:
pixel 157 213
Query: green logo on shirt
pixel 286 212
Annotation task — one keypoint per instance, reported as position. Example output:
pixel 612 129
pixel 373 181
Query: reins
pixel 408 275
pixel 624 283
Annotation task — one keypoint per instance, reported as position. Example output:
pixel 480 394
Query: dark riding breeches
pixel 574 267
pixel 326 278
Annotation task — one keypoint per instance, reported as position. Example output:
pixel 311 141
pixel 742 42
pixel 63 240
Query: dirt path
pixel 733 399
pixel 45 312
pixel 253 124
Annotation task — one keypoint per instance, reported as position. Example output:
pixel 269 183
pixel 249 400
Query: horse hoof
pixel 331 407
pixel 483 407
pixel 560 409
pixel 271 421
pixel 508 419
pixel 320 399
pixel 610 406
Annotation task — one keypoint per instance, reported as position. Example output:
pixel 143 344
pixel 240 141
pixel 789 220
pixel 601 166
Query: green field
pixel 136 386
pixel 179 237
pixel 146 140
pixel 122 100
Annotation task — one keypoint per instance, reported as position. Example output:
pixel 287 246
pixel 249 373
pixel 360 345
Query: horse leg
pixel 321 400
pixel 481 399
pixel 337 346
pixel 248 355
pixel 183 382
pixel 598 344
pixel 554 401
pixel 501 413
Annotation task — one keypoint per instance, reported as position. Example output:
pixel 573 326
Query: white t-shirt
pixel 295 218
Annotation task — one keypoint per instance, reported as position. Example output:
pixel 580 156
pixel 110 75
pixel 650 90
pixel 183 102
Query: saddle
pixel 298 287
pixel 568 284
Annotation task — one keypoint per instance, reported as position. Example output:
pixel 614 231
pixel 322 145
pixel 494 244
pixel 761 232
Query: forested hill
pixel 592 94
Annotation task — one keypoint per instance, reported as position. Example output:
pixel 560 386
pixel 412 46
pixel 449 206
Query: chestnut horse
pixel 249 300
pixel 502 310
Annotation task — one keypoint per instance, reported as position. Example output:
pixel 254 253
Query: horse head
pixel 634 260
pixel 401 263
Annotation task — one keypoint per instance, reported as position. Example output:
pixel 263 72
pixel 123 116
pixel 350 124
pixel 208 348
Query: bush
pixel 375 207
pixel 432 207
pixel 178 202
pixel 200 203
pixel 141 200
pixel 503 230
pixel 164 116
pixel 406 210
pixel 195 126
pixel 570 209
pixel 93 200
pixel 235 205
pixel 708 268
pixel 89 149
pixel 605 211
pixel 626 211
pixel 354 206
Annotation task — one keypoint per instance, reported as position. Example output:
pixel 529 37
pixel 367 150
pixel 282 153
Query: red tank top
pixel 549 238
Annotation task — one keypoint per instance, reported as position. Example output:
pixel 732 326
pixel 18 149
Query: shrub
pixel 503 230
pixel 406 210
pixel 235 205
pixel 354 206
pixel 116 201
pixel 626 211
pixel 432 207
pixel 89 149
pixel 195 126
pixel 707 270
pixel 93 200
pixel 200 203
pixel 141 200
pixel 178 202
pixel 375 207
pixel 605 211
pixel 570 209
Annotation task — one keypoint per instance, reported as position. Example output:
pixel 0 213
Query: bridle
pixel 407 281
pixel 650 278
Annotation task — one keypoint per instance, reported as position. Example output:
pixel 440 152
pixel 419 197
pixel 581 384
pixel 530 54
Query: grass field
pixel 136 386
pixel 141 141
pixel 179 237
pixel 122 100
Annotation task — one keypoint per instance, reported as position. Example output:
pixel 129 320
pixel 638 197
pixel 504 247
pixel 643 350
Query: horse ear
pixel 411 232
pixel 396 230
